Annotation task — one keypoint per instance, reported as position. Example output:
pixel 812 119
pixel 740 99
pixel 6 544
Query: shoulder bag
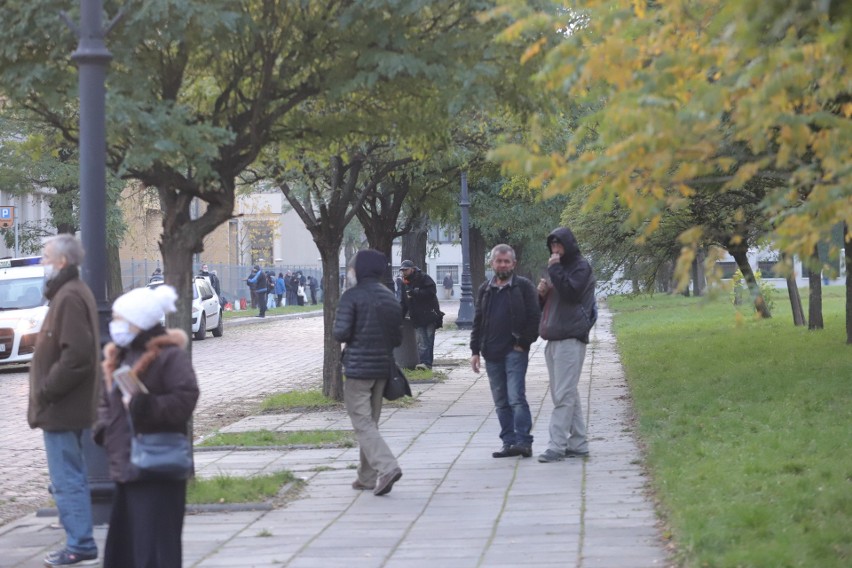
pixel 397 385
pixel 160 455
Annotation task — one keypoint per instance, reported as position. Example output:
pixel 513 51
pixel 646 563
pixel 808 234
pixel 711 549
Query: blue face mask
pixel 120 333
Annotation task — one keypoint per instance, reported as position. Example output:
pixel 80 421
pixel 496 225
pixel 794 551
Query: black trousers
pixel 261 302
pixel 146 525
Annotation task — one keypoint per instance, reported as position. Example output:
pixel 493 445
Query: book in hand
pixel 128 383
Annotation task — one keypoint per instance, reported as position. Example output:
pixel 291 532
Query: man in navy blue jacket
pixel 260 283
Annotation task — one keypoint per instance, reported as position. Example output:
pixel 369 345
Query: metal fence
pixel 232 277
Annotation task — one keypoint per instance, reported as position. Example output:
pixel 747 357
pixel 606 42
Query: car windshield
pixel 21 293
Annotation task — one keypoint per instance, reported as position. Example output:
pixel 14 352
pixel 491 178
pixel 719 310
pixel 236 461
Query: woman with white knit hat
pixel 146 524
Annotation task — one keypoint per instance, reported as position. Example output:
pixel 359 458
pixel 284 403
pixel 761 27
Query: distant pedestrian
pixel 368 321
pixel 64 392
pixel 505 324
pixel 568 315
pixel 146 523
pixel 259 280
pixel 212 278
pixel 271 301
pixel 280 289
pixel 157 275
pixel 292 289
pixel 301 295
pixel 448 286
pixel 312 286
pixel 251 282
pixel 420 303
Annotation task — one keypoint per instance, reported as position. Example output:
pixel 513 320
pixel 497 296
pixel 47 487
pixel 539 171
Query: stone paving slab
pixel 455 505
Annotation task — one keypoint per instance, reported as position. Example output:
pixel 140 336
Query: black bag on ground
pixel 397 385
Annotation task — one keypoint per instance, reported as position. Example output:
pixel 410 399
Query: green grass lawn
pixel 747 425
pixel 341 438
pixel 273 312
pixel 293 400
pixel 228 489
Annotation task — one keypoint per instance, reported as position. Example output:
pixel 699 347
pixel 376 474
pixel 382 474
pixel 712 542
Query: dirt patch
pixel 216 417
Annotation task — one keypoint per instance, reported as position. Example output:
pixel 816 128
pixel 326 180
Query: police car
pixel 22 308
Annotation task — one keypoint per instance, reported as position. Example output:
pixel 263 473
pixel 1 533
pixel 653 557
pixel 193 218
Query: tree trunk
pixel 115 287
pixel 815 293
pixel 477 259
pixel 183 237
pixel 847 232
pixel 698 274
pixel 414 244
pixel 739 253
pixel 380 237
pixel 665 277
pixel 177 270
pixel 332 372
pixel 793 293
pixel 379 216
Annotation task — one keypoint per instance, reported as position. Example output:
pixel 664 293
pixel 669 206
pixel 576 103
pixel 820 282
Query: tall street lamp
pixel 465 317
pixel 92 59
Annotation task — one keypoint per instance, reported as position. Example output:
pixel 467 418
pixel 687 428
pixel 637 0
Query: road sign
pixel 7 217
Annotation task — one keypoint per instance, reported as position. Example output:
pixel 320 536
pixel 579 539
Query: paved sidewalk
pixel 455 505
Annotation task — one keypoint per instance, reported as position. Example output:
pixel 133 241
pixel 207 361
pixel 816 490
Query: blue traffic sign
pixel 6 212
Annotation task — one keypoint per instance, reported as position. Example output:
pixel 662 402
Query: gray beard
pixel 504 275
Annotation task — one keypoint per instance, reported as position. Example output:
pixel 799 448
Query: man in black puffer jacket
pixel 369 321
pixel 568 315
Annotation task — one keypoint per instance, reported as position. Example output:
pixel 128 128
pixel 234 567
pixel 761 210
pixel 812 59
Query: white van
pixel 22 308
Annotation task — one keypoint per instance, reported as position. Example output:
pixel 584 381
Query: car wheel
pixel 220 329
pixel 202 328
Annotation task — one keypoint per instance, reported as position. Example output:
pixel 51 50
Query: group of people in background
pixel 269 291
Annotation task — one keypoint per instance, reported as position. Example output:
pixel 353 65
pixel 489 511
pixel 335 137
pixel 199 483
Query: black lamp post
pixel 465 317
pixel 92 58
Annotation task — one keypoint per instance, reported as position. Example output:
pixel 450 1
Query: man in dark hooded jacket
pixel 420 302
pixel 369 321
pixel 568 314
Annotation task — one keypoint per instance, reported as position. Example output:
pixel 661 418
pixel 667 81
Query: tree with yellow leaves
pixel 700 97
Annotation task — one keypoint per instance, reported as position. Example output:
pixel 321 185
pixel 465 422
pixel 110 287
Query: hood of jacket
pixel 369 264
pixel 569 242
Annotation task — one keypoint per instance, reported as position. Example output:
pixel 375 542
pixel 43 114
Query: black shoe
pixel 503 453
pixel 520 450
pixel 574 454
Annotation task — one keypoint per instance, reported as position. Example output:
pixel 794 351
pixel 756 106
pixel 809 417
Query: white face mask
pixel 351 279
pixel 49 272
pixel 120 333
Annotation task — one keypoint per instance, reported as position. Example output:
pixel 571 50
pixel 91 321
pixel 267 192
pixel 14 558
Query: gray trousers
pixel 363 400
pixel 564 360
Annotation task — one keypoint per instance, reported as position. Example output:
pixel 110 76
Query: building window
pixel 443 234
pixel 441 272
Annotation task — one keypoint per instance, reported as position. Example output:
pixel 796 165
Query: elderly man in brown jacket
pixel 64 393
